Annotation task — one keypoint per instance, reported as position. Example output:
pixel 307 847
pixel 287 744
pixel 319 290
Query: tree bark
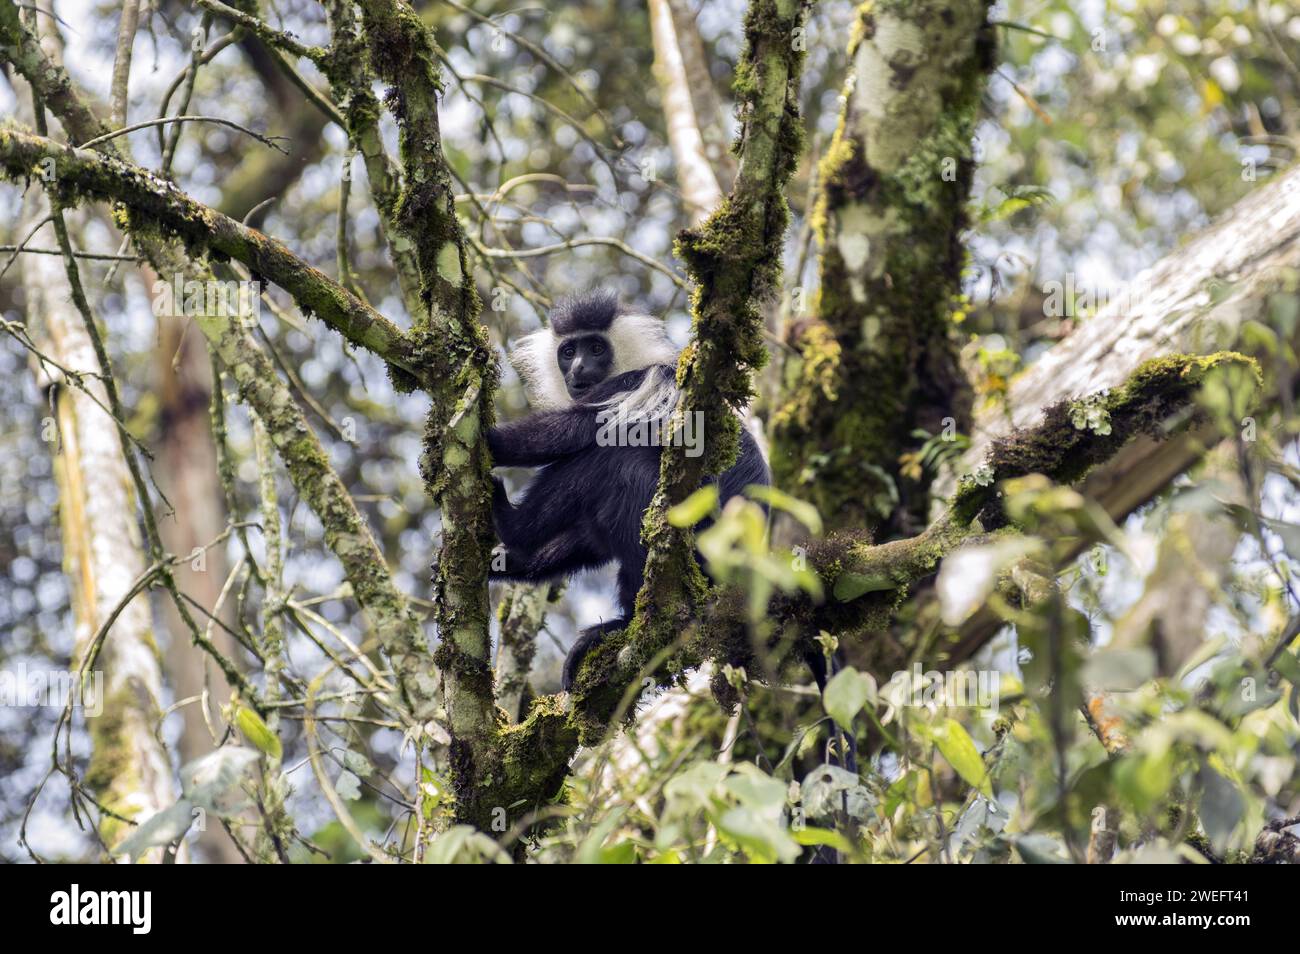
pixel 130 772
pixel 695 177
pixel 878 359
pixel 1197 298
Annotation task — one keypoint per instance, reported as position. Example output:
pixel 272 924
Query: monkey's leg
pixel 552 504
pixel 563 554
pixel 532 522
pixel 505 515
pixel 631 574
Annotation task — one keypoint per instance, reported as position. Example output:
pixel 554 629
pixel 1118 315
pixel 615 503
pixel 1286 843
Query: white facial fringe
pixel 654 400
pixel 639 341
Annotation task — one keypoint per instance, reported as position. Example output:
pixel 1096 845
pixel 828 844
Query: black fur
pixel 588 313
pixel 585 507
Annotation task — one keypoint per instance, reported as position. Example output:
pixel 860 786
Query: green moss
pixel 1158 390
pixel 114 770
pixel 878 361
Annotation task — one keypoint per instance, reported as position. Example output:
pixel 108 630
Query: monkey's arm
pixel 543 437
pixel 546 436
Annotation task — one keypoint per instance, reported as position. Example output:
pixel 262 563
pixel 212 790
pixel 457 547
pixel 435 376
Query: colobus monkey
pixel 594 365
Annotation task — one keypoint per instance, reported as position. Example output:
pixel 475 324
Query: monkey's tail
pixel 817 663
pixel 840 740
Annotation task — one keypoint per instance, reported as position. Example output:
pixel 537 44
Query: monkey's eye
pixel 567 351
pixel 597 348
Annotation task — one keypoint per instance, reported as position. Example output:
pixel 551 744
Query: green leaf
pixel 591 852
pixel 1144 779
pixel 822 836
pixel 846 694
pixel 696 784
pixel 216 782
pixel 762 839
pixel 257 732
pixel 620 853
pixel 849 586
pixel 695 507
pixel 754 788
pixel 461 844
pixel 828 789
pixel 1041 850
pixel 448 845
pixel 801 510
pixel 348 786
pixel 959 749
pixel 1289 668
pixel 1221 808
pixel 161 828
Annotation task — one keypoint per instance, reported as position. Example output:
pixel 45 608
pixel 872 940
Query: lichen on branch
pixel 151 205
pixel 456 466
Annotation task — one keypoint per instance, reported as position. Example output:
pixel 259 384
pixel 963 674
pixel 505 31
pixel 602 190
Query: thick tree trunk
pixel 130 772
pixel 877 360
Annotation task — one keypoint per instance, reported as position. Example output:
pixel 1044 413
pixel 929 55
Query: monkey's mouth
pixel 578 387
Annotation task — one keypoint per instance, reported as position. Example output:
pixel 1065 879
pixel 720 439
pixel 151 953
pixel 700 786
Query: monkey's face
pixel 584 361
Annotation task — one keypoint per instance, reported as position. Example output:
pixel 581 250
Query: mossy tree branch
pixel 51 82
pixel 346 533
pixel 735 260
pixel 877 359
pixel 150 204
pixel 1200 297
pixel 522 614
pixel 347 69
pixel 456 464
pixel 1157 401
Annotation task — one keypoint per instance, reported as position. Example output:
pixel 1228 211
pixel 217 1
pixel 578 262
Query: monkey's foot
pixel 588 639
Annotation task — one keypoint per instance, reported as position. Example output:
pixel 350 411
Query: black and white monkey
pixel 584 508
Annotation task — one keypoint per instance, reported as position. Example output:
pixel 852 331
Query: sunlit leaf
pixel 257 731
pixel 801 510
pixel 161 828
pixel 846 693
pixel 956 745
pixel 695 507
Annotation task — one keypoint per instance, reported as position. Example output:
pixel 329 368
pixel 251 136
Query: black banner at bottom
pixel 138 904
